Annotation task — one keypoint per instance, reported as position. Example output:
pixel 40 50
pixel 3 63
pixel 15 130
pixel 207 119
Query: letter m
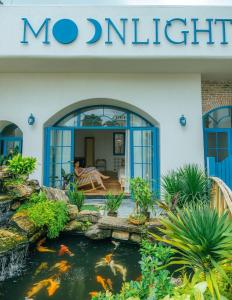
pixel 43 27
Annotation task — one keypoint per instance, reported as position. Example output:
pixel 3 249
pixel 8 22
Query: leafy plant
pixel 4 159
pixel 113 202
pixel 188 184
pixel 202 240
pixel 46 214
pixel 142 195
pixel 75 196
pixel 21 166
pixel 67 178
pixel 189 290
pixel 137 219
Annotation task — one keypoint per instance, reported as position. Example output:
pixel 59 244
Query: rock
pixel 36 236
pixel 153 225
pixel 15 205
pixel 72 211
pixel 88 216
pixel 34 184
pixel 118 224
pixel 136 238
pixel 120 235
pixel 55 194
pixel 4 173
pixel 74 226
pixel 22 222
pixel 19 191
pixel 96 233
pixel 10 239
pixel 4 198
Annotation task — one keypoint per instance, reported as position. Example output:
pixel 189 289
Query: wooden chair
pixel 88 179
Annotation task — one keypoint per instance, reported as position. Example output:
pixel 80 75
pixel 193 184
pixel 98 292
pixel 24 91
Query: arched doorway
pixel 218 143
pixel 123 141
pixel 11 138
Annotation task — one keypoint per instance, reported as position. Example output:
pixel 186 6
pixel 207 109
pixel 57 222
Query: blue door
pixel 144 155
pixel 59 155
pixel 218 153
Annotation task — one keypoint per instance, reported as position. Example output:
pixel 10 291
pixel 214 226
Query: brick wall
pixel 216 94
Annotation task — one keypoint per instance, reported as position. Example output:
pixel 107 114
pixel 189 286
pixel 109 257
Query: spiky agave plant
pixel 188 184
pixel 202 241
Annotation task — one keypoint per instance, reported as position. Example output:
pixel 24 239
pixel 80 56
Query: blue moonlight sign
pixel 175 31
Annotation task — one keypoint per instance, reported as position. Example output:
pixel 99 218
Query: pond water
pixel 73 277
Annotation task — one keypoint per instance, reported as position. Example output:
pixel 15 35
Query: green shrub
pixel 75 196
pixel 186 185
pixel 46 214
pixel 113 202
pixel 142 194
pixel 202 241
pixel 21 166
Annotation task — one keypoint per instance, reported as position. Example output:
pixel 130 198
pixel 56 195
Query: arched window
pixel 218 143
pixel 219 118
pixel 124 142
pixel 11 138
pixel 102 116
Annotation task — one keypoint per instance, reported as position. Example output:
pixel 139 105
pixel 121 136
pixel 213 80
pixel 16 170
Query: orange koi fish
pixel 102 282
pixel 36 288
pixel 53 286
pixel 109 283
pixel 65 250
pixel 62 266
pixel 41 248
pixel 93 294
pixel 108 258
pixel 105 261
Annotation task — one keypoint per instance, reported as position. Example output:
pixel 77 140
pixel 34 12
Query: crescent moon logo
pixel 98 31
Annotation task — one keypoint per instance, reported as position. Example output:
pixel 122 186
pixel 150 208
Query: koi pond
pixel 73 268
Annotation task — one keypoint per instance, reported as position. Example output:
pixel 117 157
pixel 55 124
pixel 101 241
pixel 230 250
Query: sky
pixel 118 2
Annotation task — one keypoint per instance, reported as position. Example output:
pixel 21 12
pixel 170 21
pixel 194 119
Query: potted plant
pixel 137 219
pixel 75 196
pixel 21 167
pixel 144 200
pixel 113 203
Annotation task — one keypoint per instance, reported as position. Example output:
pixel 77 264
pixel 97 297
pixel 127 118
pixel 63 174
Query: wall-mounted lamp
pixel 31 120
pixel 183 120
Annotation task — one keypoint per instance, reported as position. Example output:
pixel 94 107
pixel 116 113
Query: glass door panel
pixel 59 155
pixel 144 154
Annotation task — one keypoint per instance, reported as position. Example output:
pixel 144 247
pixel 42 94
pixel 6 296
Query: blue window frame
pixel 119 140
pixel 218 143
pixel 59 155
pixel 11 140
pixel 102 118
pixel 10 144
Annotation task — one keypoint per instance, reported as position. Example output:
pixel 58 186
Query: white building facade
pixel 153 71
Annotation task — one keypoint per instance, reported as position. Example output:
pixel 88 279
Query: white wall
pixel 11 31
pixel 103 145
pixel 163 97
